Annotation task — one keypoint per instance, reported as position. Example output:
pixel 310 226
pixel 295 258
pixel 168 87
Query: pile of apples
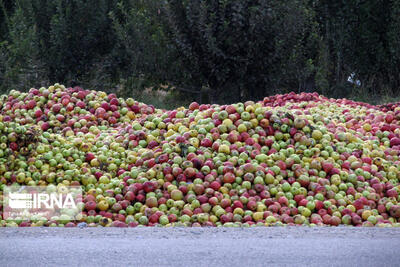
pixel 293 159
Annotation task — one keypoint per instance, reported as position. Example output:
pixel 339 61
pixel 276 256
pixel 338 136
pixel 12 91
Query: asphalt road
pixel 281 246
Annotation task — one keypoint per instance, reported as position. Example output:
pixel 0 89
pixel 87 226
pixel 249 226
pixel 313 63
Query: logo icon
pixel 20 201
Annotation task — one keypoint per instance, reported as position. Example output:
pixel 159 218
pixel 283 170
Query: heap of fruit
pixel 294 159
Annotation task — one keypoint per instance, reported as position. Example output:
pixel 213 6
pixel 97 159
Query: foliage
pixel 247 47
pixel 212 50
pixel 141 46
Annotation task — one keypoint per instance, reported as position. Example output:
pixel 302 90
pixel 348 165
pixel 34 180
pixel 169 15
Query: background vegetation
pixel 208 50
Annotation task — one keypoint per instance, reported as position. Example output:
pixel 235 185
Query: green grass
pixel 376 100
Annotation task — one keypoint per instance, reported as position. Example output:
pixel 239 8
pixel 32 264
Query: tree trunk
pixel 239 94
pixel 213 96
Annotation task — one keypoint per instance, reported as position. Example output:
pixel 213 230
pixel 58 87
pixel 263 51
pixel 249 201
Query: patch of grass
pixel 376 100
pixel 358 94
pixel 162 99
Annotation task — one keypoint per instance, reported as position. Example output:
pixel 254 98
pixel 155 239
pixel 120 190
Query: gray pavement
pixel 279 246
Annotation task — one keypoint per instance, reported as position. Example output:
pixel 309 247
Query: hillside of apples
pixel 293 159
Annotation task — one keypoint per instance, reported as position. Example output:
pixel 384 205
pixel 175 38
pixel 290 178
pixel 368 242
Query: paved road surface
pixel 283 246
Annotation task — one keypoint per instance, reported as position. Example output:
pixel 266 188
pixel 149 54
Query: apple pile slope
pixel 293 159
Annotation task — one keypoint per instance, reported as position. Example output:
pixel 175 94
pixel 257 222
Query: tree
pixel 240 47
pixel 142 50
pixel 360 38
pixel 20 59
